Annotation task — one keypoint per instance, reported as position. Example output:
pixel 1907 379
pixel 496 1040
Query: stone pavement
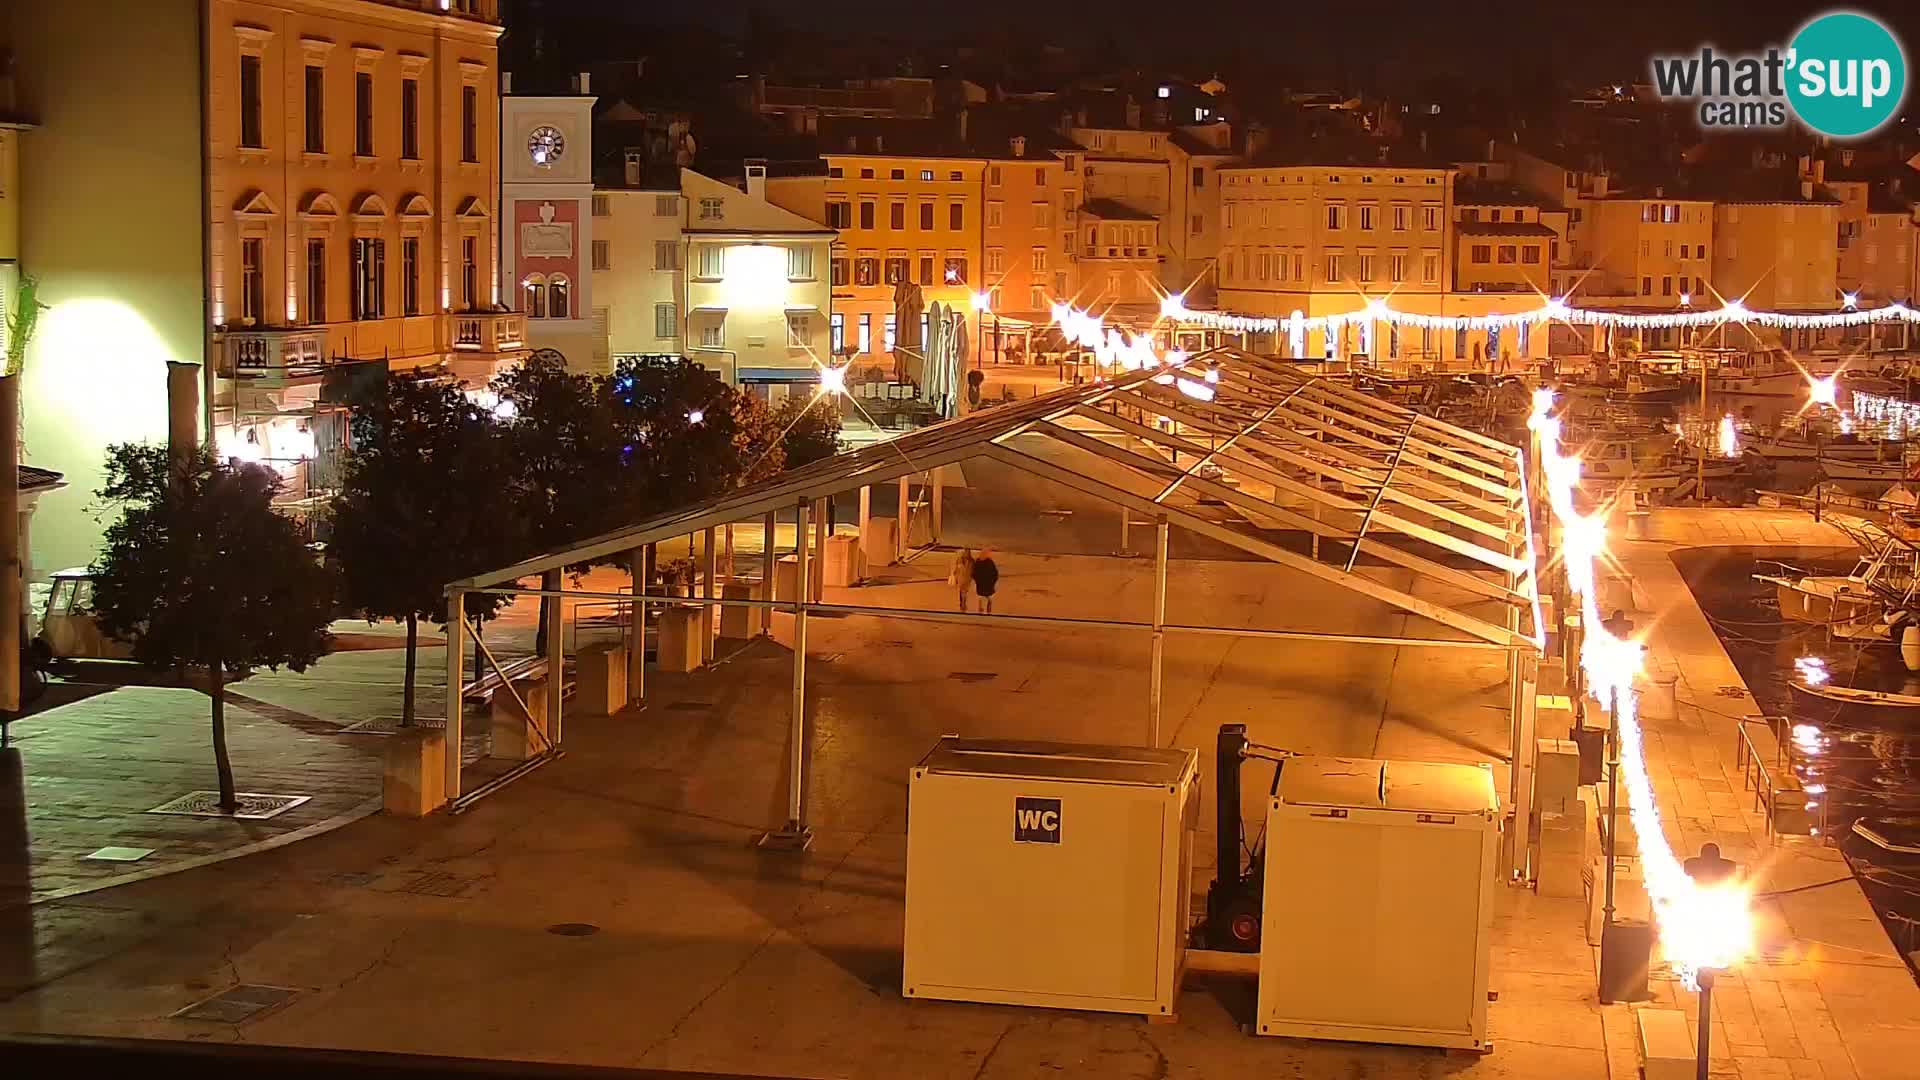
pixel 1827 995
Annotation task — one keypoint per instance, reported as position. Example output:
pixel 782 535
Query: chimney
pixel 1018 144
pixel 960 125
pixel 1806 187
pixel 633 165
pixel 757 178
pixel 1820 171
pixel 583 83
pixel 1133 113
pixel 506 82
pixel 879 144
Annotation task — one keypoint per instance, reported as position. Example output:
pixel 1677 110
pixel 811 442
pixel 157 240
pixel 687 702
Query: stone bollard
pixel 602 674
pixel 1639 525
pixel 880 542
pixel 843 561
pixel 744 623
pixel 679 645
pixel 1659 696
pixel 414 782
pixel 786 579
pixel 516 732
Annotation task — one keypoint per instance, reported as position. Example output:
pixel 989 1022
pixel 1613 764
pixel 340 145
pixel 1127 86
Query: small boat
pixel 1877 701
pixel 1652 462
pixel 1758 373
pixel 1863 472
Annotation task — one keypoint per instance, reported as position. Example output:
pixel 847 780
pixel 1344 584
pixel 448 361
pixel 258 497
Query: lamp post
pixel 1701 1060
pixel 982 301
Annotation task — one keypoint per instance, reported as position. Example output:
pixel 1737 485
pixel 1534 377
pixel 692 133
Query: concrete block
pixel 517 732
pixel 1559 870
pixel 1589 798
pixel 1553 675
pixel 678 645
pixel 1628 845
pixel 786 579
pixel 601 677
pixel 1630 903
pixel 742 623
pixel 881 540
pixel 1559 875
pixel 1667 1050
pixel 1556 774
pixel 843 562
pixel 414 781
pixel 1658 696
pixel 1553 716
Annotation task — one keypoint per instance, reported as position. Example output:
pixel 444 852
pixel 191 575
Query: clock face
pixel 545 144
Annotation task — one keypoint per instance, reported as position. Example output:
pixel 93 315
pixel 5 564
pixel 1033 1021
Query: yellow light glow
pixel 833 380
pixel 1729 438
pixel 1823 391
pixel 755 277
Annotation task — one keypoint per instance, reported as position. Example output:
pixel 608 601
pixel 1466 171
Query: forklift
pixel 1234 897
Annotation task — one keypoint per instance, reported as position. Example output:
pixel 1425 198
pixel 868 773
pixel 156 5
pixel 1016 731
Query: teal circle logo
pixel 1846 74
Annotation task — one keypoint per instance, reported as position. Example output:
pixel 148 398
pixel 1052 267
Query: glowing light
pixel 1701 926
pixel 1729 438
pixel 1554 309
pixel 1686 299
pixel 982 301
pixel 1813 672
pixel 696 416
pixel 1846 423
pixel 754 276
pixel 1850 300
pixel 1823 391
pixel 833 380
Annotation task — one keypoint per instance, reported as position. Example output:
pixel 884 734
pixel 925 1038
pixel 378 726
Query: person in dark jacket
pixel 986 577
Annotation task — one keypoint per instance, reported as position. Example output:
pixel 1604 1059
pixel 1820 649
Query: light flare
pixel 1701 926
pixel 1729 438
pixel 1823 391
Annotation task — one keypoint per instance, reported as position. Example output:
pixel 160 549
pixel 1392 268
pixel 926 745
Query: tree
pixel 420 506
pixel 811 429
pixel 678 425
pixel 201 571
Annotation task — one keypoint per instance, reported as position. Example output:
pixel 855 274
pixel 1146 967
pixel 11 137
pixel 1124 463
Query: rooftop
pixel 1472 191
pixel 1503 228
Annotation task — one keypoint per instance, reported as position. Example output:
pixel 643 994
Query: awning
pixel 777 374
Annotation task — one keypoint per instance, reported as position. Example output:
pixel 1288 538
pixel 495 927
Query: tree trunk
pixel 217 689
pixel 540 633
pixel 406 692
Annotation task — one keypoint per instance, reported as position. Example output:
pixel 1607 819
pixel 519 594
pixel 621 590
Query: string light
pixel 1701 926
pixel 1555 309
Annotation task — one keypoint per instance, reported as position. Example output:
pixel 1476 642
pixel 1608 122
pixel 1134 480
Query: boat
pixel 1651 462
pixel 1756 373
pixel 1651 378
pixel 1877 602
pixel 1876 701
pixel 1845 471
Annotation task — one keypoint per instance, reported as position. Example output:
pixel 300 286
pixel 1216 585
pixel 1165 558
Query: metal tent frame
pixel 1226 444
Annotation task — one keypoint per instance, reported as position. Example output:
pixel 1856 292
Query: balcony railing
pixel 274 353
pixel 490 332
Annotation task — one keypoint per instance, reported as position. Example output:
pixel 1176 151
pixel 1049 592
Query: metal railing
pixel 1770 776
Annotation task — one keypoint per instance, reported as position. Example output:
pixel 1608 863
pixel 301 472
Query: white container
pixel 1378 902
pixel 1054 874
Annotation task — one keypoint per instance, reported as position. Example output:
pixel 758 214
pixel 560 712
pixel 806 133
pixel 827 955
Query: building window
pixel 363 113
pixel 955 176
pixel 956 271
pixel 926 215
pixel 926 269
pixel 1429 216
pixel 866 333
pixel 666 321
pixel 1530 254
pixel 887 336
pixel 897 174
pixel 866 215
pixel 712 264
pixel 1482 254
pixel 253 289
pixel 996 261
pixel 866 174
pixel 1366 268
pixel 1646 286
pixel 1366 216
pixel 602 206
pixel 800 263
pixel 559 298
pixel 712 208
pixel 666 205
pixel 799 330
pixel 1042 215
pixel 866 270
pixel 1397 268
pixel 1199 177
pixel 1333 268
pixel 602 255
pixel 1507 254
pixel 1038 262
pixel 837 332
pixel 369 278
pixel 993 176
pixel 316 142
pixel 1430 267
pixel 666 255
pixel 897 215
pixel 713 334
pixel 842 272
pixel 410 119
pixel 994 218
pixel 1060 283
pixel 896 269
pixel 956 216
pixel 926 174
pixel 410 275
pixel 1336 216
pixel 469 270
pixel 839 215
pixel 1198 224
pixel 470 123
pixel 316 281
pixel 250 125
pixel 1666 286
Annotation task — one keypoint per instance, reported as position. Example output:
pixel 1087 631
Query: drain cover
pixel 121 854
pixel 375 725
pixel 239 1004
pixel 573 929
pixel 253 805
pixel 972 676
pixel 440 883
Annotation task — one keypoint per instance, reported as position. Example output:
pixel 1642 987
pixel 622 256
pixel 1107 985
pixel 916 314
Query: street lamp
pixel 982 302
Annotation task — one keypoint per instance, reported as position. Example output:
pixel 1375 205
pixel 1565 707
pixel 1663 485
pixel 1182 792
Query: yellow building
pixel 1501 245
pixel 1775 245
pixel 1174 176
pixel 1646 252
pixel 1877 236
pixel 977 223
pixel 231 187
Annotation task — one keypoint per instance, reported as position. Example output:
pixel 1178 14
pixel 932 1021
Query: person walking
pixel 961 576
pixel 986 577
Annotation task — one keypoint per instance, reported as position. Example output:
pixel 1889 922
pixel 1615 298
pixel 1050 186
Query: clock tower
pixel 546 220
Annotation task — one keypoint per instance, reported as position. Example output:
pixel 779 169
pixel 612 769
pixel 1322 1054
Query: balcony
pixel 484 342
pixel 270 357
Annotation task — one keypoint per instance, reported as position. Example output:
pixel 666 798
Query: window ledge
pixel 412 164
pixel 470 168
pixel 316 157
pixel 254 155
pixel 366 161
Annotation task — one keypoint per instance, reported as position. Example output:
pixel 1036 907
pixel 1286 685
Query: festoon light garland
pixel 1554 310
pixel 1131 352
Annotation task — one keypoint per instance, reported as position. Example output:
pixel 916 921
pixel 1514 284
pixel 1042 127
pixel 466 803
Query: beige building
pixel 547 227
pixel 639 253
pixel 1877 236
pixel 1174 176
pixel 294 194
pixel 1778 250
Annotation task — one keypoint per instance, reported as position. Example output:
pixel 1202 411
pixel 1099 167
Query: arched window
pixel 558 297
pixel 534 288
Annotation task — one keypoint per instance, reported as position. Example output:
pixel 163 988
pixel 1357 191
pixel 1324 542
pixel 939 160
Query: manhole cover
pixel 1732 691
pixel 254 806
pixel 971 676
pixel 440 883
pixel 573 929
pixel 121 854
pixel 239 1004
pixel 689 706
